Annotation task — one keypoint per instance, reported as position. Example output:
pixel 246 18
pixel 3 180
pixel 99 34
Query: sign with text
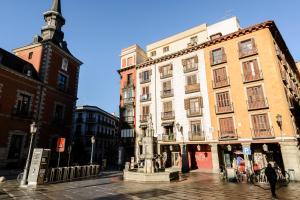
pixel 60 144
pixel 247 150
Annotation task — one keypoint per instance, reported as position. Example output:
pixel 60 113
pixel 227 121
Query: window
pixel 130 61
pixel 260 123
pixel 145 113
pixel 256 97
pixel 226 127
pixel 145 93
pixel 129 79
pixel 196 127
pixel 223 102
pixel 251 71
pixel 15 147
pixel 64 65
pixel 30 55
pixel 153 53
pixel 191 80
pixel 190 64
pixel 193 106
pixel 166 49
pixel 247 47
pixel 145 76
pixel 58 113
pixel 220 77
pixel 218 56
pixel 167 86
pixel 166 71
pixel 194 40
pixel 23 104
pixel 62 81
pixel 167 106
pixel 215 36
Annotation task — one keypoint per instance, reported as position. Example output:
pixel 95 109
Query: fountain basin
pixel 166 176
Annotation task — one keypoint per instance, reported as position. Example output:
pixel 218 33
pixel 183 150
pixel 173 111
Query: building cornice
pixel 267 24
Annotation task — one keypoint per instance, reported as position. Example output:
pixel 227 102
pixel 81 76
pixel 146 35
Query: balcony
pixel 249 77
pixel 22 113
pixel 128 119
pixel 167 93
pixel 221 83
pixel 145 97
pixel 169 115
pixel 168 74
pixel 192 88
pixel 194 112
pixel 190 67
pixel 244 52
pixel 224 109
pixel 129 100
pixel 91 120
pixel 168 138
pixel 142 81
pixel 196 136
pixel 257 104
pixel 262 133
pixel 228 134
pixel 144 118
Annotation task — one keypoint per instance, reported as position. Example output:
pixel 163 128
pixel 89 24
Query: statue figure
pixel 164 158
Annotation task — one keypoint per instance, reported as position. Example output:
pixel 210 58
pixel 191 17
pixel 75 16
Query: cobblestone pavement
pixel 110 186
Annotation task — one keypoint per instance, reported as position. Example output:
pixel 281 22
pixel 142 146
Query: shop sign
pixel 60 145
pixel 247 150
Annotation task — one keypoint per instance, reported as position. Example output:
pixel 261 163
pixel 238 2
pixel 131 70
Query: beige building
pixel 226 94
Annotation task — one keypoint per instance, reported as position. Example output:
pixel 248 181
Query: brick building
pixel 37 83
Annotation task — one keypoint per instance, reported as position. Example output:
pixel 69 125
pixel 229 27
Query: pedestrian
pixel 272 178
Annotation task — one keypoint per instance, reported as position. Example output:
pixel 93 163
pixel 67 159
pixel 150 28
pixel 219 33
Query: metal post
pixel 58 160
pixel 26 169
pixel 33 130
pixel 92 152
pixel 69 152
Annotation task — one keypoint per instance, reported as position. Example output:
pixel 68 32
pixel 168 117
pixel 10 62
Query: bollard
pixel 65 173
pixel 83 171
pixel 72 173
pixel 59 174
pixel 97 169
pixel 52 175
pixel 88 171
pixel 78 174
pixel 292 174
pixel 93 170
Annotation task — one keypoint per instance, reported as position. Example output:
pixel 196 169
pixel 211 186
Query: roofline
pixel 89 107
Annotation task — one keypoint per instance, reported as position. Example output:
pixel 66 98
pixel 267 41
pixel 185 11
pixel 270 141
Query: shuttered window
pixel 255 93
pixel 167 86
pixel 251 70
pixel 220 76
pixel 167 106
pixel 191 80
pixel 145 90
pixel 218 56
pixel 226 125
pixel 260 123
pixel 196 126
pixel 223 99
pixel 247 47
pixel 145 110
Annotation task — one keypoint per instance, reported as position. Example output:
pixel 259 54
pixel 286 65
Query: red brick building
pixel 37 83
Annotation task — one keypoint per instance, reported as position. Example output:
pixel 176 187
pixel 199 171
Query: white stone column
pixel 215 157
pixel 291 157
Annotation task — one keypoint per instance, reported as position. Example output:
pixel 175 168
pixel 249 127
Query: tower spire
pixel 53 24
pixel 56 6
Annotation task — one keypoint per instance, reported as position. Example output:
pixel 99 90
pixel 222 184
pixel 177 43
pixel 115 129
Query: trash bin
pixel 292 174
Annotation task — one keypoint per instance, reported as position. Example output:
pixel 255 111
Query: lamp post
pixel 33 130
pixel 184 159
pixel 92 152
pixel 279 122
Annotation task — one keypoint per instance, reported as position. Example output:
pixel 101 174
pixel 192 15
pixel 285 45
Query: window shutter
pixel 253 43
pixel 160 69
pixel 140 75
pixel 211 58
pixel 187 104
pixel 184 62
pixel 171 66
pixel 196 59
pixel 256 69
pixel 150 72
pixel 224 58
pixel 200 102
pixel 240 49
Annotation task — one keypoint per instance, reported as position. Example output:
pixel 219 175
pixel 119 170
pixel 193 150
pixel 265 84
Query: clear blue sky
pixel 97 30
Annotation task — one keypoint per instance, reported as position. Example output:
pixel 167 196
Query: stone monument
pixel 148 174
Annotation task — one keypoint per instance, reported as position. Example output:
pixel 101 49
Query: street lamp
pixel 279 122
pixel 33 130
pixel 184 159
pixel 92 152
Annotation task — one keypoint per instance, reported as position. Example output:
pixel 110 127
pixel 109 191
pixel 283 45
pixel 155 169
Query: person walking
pixel 272 178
